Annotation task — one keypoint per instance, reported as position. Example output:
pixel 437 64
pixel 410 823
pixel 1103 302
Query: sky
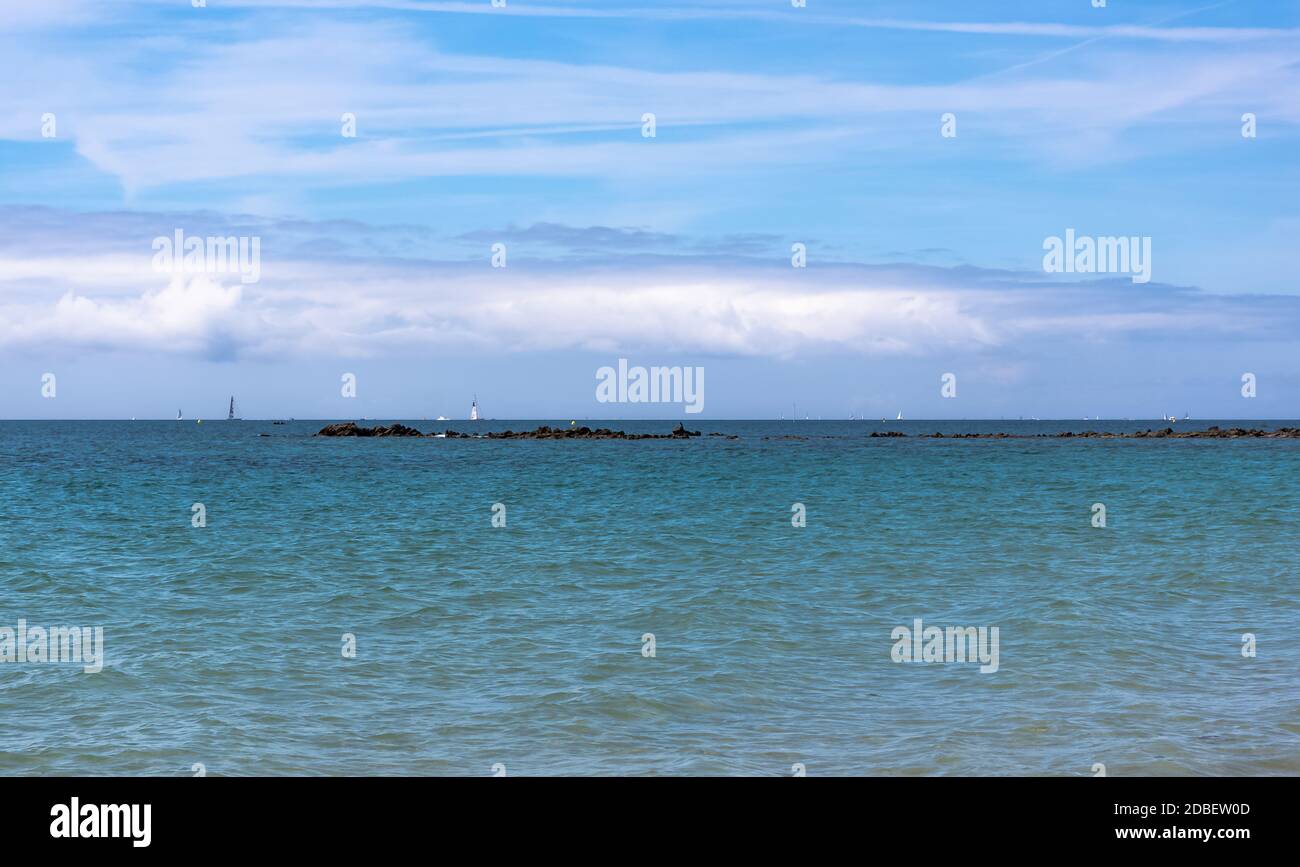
pixel 387 156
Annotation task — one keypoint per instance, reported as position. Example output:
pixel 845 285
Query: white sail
pixel 900 416
pixel 473 410
pixel 178 415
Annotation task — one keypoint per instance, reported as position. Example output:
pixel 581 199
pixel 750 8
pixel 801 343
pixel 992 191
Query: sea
pixel 274 603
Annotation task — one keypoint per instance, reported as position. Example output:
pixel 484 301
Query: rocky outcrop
pixel 350 429
pixel 1214 432
pixel 681 431
pixel 1218 433
pixel 576 433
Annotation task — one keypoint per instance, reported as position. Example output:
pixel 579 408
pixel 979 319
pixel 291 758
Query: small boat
pixel 231 416
pixel 473 410
pixel 900 416
pixel 442 418
pixel 178 415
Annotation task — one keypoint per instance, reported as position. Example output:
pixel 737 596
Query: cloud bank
pixel 92 287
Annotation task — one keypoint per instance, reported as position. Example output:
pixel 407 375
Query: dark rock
pixel 545 432
pixel 397 430
pixel 1166 433
pixel 350 429
pixel 347 429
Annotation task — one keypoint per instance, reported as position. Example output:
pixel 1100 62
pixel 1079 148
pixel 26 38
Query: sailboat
pixel 473 410
pixel 178 415
pixel 900 416
pixel 232 416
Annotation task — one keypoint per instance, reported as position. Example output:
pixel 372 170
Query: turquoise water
pixel 522 645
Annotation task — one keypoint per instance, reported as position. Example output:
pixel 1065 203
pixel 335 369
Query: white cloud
pixel 188 315
pixel 266 102
pixel 104 297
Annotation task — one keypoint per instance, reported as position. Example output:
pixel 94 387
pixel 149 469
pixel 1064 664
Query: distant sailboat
pixel 473 410
pixel 232 416
pixel 178 415
pixel 900 416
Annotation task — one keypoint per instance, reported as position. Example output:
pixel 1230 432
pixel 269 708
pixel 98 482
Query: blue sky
pixel 522 126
